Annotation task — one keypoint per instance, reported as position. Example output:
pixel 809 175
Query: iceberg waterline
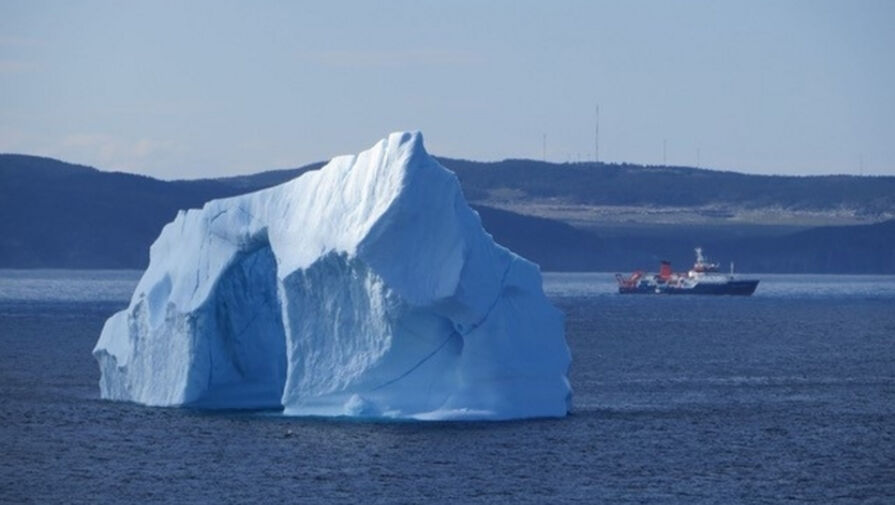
pixel 367 288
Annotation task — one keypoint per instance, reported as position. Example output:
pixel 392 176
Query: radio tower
pixel 597 136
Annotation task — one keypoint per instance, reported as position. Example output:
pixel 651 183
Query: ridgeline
pixel 566 217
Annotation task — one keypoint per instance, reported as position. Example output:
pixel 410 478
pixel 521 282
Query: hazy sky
pixel 202 89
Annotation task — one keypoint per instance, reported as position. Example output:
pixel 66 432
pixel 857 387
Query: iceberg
pixel 367 288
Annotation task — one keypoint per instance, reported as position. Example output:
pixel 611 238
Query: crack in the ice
pixel 454 333
pixel 219 214
pixel 419 363
pixel 503 280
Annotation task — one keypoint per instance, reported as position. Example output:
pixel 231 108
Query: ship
pixel 703 279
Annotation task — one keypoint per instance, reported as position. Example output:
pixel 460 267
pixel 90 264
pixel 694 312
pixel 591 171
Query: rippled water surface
pixel 787 396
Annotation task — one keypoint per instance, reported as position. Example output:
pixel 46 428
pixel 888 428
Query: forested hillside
pixel 60 215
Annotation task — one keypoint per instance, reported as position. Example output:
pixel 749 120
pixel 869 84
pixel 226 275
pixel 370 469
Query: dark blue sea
pixel 784 397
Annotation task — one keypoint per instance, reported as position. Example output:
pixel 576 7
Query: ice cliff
pixel 367 288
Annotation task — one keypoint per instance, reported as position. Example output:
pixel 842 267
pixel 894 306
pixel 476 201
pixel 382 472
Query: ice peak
pixel 411 140
pixel 406 147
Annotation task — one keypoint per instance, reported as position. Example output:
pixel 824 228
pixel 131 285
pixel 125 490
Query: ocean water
pixel 787 396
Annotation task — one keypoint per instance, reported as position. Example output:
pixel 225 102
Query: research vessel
pixel 703 279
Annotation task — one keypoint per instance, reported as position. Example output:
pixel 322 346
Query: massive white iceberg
pixel 367 288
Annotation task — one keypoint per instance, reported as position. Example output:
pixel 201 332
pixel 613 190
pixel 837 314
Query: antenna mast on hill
pixel 597 137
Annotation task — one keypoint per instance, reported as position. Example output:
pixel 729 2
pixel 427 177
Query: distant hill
pixel 263 179
pixel 639 185
pixel 857 249
pixel 60 215
pixel 834 249
pixel 642 185
pixel 551 244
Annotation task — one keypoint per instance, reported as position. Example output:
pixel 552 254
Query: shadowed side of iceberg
pixel 227 353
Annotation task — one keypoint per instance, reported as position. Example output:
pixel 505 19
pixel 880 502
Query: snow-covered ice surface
pixel 368 288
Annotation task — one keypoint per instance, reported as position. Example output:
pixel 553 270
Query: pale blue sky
pixel 218 88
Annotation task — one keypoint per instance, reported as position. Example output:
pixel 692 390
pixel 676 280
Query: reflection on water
pixel 68 285
pixel 118 285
